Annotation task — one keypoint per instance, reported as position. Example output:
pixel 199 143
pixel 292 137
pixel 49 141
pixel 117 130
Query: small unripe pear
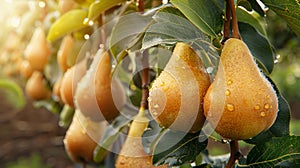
pixel 37 51
pixel 241 102
pixel 64 52
pixel 69 82
pixel 98 96
pixel 82 137
pixel 36 87
pixel 176 96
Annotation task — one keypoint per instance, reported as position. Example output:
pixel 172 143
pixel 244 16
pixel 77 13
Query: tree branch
pixel 235 153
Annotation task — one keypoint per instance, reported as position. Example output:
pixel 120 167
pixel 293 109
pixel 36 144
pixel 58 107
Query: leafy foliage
pixel 278 152
pixel 174 148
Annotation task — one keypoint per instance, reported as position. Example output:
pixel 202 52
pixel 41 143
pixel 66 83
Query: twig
pixel 145 79
pixel 234 153
pixel 235 27
pixel 226 29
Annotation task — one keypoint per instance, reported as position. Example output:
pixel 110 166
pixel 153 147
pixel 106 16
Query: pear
pixel 82 137
pixel 37 51
pixel 66 5
pixel 132 153
pixel 25 69
pixel 64 52
pixel 176 96
pixel 36 87
pixel 241 102
pixel 69 82
pixel 98 96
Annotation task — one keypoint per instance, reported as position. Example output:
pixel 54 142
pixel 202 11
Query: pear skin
pixel 36 87
pixel 37 51
pixel 82 137
pixel 176 96
pixel 241 102
pixel 132 153
pixel 69 82
pixel 98 95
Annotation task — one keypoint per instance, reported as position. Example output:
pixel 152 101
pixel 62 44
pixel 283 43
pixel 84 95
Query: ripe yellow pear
pixel 241 102
pixel 69 82
pixel 98 96
pixel 82 137
pixel 132 153
pixel 37 51
pixel 36 87
pixel 64 52
pixel 176 96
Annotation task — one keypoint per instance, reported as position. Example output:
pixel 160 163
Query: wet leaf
pixel 288 10
pixel 279 151
pixel 205 14
pixel 174 148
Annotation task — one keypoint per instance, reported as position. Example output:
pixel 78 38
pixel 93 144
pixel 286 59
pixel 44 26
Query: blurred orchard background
pixel 31 137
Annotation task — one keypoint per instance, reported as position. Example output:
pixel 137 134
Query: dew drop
pixel 267 106
pixel 156 106
pixel 257 107
pixel 154 113
pixel 230 107
pixel 229 82
pixel 183 67
pixel 162 83
pixel 149 99
pixel 262 114
pixel 227 92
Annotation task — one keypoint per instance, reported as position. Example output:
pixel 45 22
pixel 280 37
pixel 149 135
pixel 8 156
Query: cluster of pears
pixel 240 103
pixel 90 91
pixel 36 54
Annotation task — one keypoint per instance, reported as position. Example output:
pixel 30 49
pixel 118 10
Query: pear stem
pixel 141 6
pixel 235 27
pixel 145 80
pixel 226 29
pixel 235 153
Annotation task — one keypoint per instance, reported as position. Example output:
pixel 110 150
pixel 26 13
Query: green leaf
pixel 251 19
pixel 258 45
pixel 256 7
pixel 111 134
pixel 98 7
pixel 150 136
pixel 175 148
pixel 281 126
pixel 128 32
pixel 171 26
pixel 277 151
pixel 67 23
pixel 205 14
pixel 13 93
pixel 289 10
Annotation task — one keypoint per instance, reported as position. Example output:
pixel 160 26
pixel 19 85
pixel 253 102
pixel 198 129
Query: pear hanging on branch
pixel 98 96
pixel 176 96
pixel 241 102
